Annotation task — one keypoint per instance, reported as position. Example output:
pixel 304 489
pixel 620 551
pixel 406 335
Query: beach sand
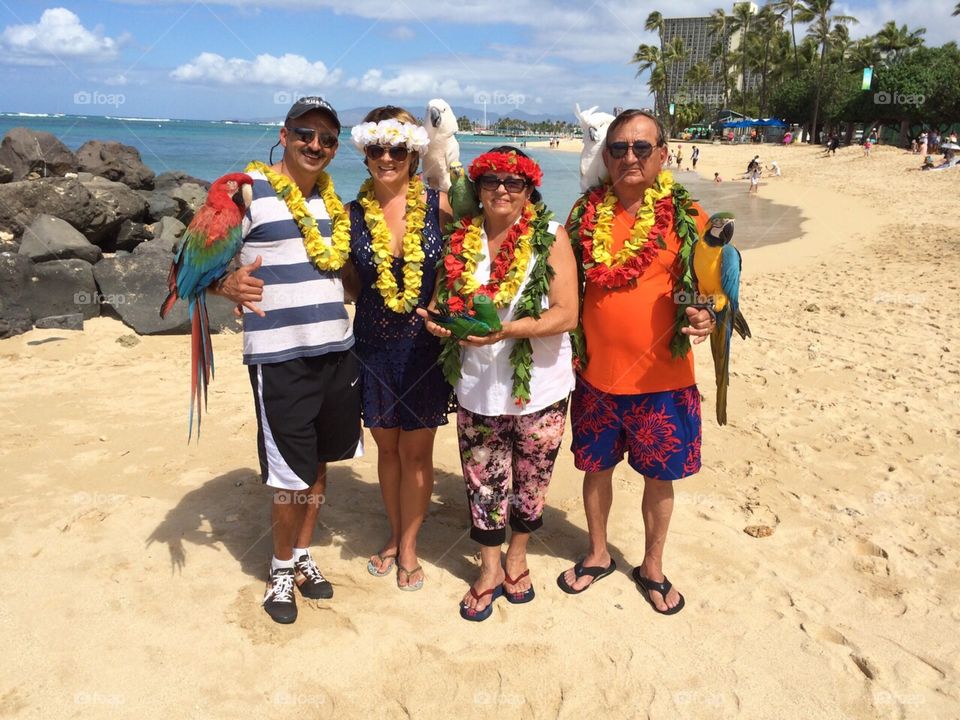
pixel 134 563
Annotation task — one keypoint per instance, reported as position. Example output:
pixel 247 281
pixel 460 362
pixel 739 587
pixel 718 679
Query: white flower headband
pixel 390 132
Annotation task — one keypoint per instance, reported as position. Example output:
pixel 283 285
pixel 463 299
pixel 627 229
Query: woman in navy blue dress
pixel 396 239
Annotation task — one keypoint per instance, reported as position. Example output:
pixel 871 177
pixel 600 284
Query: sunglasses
pixel 641 148
pixel 510 184
pixel 306 135
pixel 375 152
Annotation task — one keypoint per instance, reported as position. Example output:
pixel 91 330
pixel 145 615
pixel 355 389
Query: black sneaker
pixel 279 601
pixel 310 580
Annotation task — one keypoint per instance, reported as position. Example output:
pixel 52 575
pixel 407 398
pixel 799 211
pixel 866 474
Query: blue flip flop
pixel 518 598
pixel 596 572
pixel 472 615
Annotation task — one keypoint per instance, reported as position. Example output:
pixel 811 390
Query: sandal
pixel 594 571
pixel 408 587
pixel 382 556
pixel 646 585
pixel 523 596
pixel 480 615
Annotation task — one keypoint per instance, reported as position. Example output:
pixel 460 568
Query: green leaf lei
pixel 685 227
pixel 529 304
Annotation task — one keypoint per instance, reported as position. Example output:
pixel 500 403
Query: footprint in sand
pixel 871 558
pixel 831 636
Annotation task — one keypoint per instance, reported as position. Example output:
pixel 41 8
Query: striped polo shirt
pixel 305 315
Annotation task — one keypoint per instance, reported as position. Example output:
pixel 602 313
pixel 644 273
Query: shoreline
pixel 841 440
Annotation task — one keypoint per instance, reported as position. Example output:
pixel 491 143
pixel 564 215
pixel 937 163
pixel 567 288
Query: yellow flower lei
pixel 603 232
pixel 413 255
pixel 324 256
pixel 473 251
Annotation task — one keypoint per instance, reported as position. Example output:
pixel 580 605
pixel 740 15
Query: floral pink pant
pixel 507 463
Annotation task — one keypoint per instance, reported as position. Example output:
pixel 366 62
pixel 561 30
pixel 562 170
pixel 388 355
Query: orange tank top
pixel 628 330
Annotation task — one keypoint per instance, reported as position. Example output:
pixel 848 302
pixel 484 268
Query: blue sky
pixel 217 59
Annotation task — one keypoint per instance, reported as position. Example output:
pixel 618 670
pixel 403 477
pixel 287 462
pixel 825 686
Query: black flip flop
pixel 646 585
pixel 595 571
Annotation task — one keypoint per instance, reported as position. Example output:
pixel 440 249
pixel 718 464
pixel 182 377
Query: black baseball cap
pixel 310 103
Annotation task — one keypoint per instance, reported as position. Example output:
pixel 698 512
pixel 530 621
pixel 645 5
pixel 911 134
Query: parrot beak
pixel 593 134
pixel 434 117
pixel 722 230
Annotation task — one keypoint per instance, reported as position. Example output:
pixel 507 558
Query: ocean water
pixel 210 149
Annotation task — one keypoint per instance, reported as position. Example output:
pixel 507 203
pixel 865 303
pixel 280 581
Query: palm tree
pixel 768 24
pixel 742 20
pixel 697 76
pixel 817 13
pixel 864 53
pixel 791 6
pixel 895 42
pixel 655 22
pixel 658 62
pixel 719 25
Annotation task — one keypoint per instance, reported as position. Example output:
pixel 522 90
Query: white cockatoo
pixel 594 124
pixel 443 150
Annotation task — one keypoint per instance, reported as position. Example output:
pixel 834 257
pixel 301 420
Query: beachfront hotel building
pixel 699 44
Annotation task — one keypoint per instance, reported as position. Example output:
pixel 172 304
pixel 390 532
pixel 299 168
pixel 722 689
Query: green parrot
pixel 462 193
pixel 483 320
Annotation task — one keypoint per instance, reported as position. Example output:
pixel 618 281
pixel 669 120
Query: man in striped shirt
pixel 297 342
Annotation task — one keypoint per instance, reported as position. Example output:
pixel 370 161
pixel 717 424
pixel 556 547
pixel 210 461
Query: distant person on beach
pixel 866 147
pixel 679 157
pixel 717 178
pixel 695 156
pixel 636 391
pixel 297 342
pixel 832 144
pixel 396 239
pixel 774 167
pixel 755 180
pixel 513 384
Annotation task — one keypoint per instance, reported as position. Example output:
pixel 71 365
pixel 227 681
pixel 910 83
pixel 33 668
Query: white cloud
pixel 58 36
pixel 286 70
pixel 401 32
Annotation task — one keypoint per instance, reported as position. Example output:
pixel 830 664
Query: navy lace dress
pixel 401 383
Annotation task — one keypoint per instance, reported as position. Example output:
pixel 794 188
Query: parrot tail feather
pixel 720 349
pixel 172 295
pixel 201 361
pixel 740 325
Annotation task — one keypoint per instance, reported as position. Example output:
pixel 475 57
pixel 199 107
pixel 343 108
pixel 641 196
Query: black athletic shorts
pixel 308 413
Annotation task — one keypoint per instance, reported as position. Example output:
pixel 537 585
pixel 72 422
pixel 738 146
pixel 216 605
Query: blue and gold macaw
pixel 716 265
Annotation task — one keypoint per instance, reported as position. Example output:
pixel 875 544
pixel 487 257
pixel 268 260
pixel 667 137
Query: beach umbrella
pixel 949 146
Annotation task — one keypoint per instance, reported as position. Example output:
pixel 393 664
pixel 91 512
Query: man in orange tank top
pixel 634 396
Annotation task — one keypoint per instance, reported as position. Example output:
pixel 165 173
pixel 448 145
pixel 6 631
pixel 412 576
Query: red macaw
pixel 208 245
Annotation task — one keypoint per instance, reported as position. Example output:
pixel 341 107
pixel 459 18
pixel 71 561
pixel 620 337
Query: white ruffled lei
pixel 390 132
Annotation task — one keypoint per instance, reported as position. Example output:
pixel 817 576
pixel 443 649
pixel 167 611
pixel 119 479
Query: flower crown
pixel 510 162
pixel 390 132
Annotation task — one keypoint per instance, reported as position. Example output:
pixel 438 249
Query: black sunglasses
pixel 641 148
pixel 511 184
pixel 375 152
pixel 306 135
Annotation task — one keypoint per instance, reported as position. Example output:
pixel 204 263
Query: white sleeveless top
pixel 486 385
